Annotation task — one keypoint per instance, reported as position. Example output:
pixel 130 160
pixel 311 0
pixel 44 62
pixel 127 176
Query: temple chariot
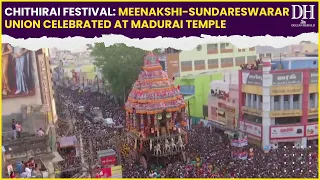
pixel 155 115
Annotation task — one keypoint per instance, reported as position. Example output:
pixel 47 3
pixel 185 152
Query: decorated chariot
pixel 155 114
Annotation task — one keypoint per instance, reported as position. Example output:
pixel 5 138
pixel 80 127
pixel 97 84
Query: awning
pixel 57 157
pixel 68 141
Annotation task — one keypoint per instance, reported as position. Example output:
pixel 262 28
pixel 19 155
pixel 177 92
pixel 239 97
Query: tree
pixel 120 65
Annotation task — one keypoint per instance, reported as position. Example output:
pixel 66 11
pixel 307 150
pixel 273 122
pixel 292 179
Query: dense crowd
pixel 209 155
pixel 208 150
pixel 100 136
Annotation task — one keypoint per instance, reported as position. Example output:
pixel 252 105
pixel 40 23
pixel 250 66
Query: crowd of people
pixel 208 152
pixel 95 135
pixel 209 155
pixel 28 169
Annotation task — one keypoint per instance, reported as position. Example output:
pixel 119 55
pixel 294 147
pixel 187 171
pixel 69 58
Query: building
pixel 223 102
pixel 169 60
pixel 86 74
pixel 298 49
pixel 213 57
pixel 279 107
pixel 29 101
pixel 195 90
pixel 296 62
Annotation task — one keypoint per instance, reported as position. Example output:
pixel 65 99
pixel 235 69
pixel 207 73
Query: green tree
pixel 119 64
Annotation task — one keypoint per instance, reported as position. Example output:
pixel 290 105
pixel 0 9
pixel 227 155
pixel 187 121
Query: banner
pixel 286 90
pixel 109 160
pixel 116 172
pixel 18 72
pixel 313 77
pixel 286 132
pixel 313 111
pixel 312 130
pixel 286 78
pixel 252 78
pixel 241 155
pixel 187 90
pixel 286 113
pixel 251 129
pixel 239 142
pixel 256 112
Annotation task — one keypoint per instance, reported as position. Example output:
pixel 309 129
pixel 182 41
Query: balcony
pixel 28 146
pixel 276 106
pixel 296 105
pixel 312 104
pixel 286 105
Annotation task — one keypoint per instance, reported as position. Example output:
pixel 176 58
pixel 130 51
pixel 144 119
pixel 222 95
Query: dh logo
pixel 302 11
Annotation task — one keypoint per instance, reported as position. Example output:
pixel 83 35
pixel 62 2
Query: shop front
pixel 312 134
pixel 252 131
pixel 281 136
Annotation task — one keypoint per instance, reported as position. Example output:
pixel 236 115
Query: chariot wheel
pixel 143 162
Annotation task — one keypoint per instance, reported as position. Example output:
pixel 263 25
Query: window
pixel 240 60
pixel 213 63
pixel 269 55
pixel 186 63
pixel 254 97
pixel 252 49
pixel 186 66
pixel 199 62
pixel 276 98
pixel 286 97
pixel 199 65
pixel 287 120
pixel 296 97
pixel 261 56
pixel 199 47
pixel 251 59
pixel 226 62
pixel 212 46
pixel 224 45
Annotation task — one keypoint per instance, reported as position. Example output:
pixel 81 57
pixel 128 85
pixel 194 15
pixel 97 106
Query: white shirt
pixel 40 133
pixel 28 171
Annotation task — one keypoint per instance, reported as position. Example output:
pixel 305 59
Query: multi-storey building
pixel 278 104
pixel 213 57
pixel 222 56
pixel 223 107
pixel 29 101
pixel 296 49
